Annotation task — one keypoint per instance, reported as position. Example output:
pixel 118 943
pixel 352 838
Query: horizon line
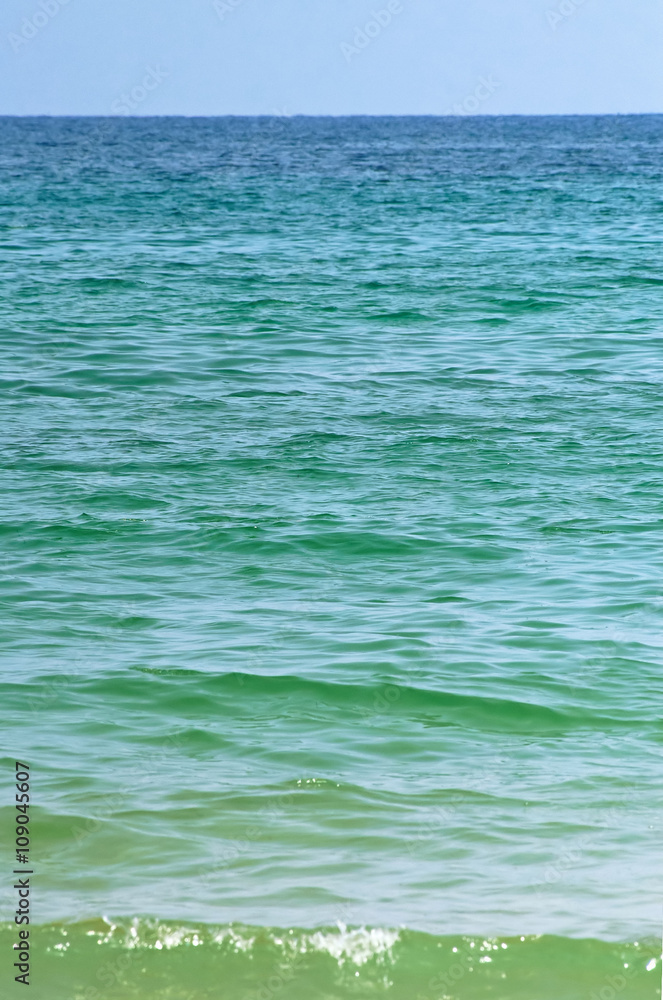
pixel 354 114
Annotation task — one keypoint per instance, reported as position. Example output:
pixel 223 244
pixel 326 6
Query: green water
pixel 152 960
pixel 332 477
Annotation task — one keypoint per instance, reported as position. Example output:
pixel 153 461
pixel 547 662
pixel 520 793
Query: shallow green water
pixel 153 960
pixel 332 476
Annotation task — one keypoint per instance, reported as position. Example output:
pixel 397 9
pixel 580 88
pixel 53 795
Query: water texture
pixel 332 477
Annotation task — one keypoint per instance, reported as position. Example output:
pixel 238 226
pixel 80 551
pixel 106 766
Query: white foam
pixel 357 946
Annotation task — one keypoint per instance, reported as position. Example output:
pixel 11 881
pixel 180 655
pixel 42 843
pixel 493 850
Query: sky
pixel 330 57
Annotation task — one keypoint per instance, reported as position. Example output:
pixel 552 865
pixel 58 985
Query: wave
pixel 546 707
pixel 151 959
pixel 236 693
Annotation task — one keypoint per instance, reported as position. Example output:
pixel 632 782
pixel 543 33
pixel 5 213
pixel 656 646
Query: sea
pixel 331 531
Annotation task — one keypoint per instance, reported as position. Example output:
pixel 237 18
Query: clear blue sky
pixel 216 57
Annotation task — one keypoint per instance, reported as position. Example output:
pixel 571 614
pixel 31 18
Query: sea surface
pixel 332 555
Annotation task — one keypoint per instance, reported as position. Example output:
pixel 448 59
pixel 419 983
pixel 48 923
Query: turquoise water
pixel 332 477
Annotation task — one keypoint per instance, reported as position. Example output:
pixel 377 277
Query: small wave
pixel 165 960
